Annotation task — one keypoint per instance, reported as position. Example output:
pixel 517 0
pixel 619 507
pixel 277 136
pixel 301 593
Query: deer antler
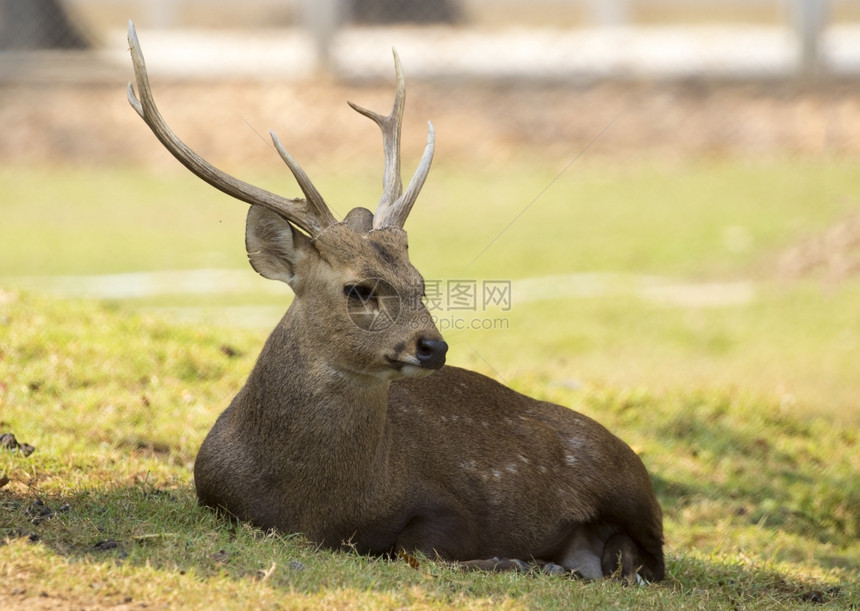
pixel 394 205
pixel 311 215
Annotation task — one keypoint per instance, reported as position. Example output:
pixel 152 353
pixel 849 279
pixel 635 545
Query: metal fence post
pixel 809 18
pixel 608 12
pixel 162 13
pixel 322 18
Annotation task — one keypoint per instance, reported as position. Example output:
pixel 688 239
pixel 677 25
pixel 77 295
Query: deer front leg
pixel 446 536
pixel 513 564
pixel 449 536
pixel 497 565
pixel 437 533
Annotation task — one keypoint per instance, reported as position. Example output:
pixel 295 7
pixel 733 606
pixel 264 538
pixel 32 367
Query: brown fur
pixel 328 439
pixel 342 433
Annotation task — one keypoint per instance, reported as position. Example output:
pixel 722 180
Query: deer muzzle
pixel 431 353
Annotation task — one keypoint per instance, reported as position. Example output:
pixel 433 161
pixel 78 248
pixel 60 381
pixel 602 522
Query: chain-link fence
pixel 497 77
pixel 331 24
pixel 32 24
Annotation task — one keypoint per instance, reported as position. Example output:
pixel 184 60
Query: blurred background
pixel 688 76
pixel 670 185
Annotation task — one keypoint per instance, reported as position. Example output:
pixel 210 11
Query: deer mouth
pixel 413 368
pixel 429 356
pixel 408 367
pixel 399 364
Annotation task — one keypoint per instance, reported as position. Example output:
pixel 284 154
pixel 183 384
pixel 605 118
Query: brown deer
pixel 352 431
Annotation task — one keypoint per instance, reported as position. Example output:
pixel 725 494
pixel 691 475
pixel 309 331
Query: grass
pixel 795 343
pixel 761 506
pixel 693 220
pixel 746 414
pixel 796 346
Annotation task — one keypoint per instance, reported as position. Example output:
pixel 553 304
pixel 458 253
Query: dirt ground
pixel 93 124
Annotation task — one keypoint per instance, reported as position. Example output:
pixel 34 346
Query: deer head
pixel 352 279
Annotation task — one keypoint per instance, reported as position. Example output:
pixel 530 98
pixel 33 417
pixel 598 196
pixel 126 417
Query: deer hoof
pixel 551 568
pixel 514 564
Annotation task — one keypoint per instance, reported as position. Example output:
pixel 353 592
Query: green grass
pixel 649 219
pixel 762 507
pixel 746 414
pixel 795 343
pixel 683 220
pixel 797 347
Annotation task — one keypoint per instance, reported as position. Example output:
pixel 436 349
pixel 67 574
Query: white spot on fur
pixel 469 465
pixel 511 468
pixel 575 443
pixel 496 473
pixel 570 459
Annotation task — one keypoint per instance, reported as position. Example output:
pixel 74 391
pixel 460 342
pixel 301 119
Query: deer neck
pixel 315 417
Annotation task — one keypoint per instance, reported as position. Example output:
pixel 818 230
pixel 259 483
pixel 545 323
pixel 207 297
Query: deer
pixel 352 430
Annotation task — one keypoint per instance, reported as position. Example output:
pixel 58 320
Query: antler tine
pixel 396 214
pixel 392 187
pixel 313 196
pixel 394 205
pixel 313 216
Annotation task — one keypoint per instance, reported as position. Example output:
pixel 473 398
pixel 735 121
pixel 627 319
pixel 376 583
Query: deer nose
pixel 431 353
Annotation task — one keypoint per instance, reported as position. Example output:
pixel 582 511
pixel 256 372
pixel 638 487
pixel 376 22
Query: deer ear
pixel 274 247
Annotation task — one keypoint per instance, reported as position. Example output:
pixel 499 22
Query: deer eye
pixel 359 292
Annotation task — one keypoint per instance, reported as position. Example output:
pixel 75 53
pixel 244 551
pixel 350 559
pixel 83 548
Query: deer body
pixel 352 431
pixel 523 484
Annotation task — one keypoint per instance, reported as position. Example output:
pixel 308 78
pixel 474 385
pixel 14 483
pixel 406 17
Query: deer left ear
pixel 274 247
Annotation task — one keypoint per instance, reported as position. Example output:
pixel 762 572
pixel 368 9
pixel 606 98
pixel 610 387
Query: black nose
pixel 431 353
